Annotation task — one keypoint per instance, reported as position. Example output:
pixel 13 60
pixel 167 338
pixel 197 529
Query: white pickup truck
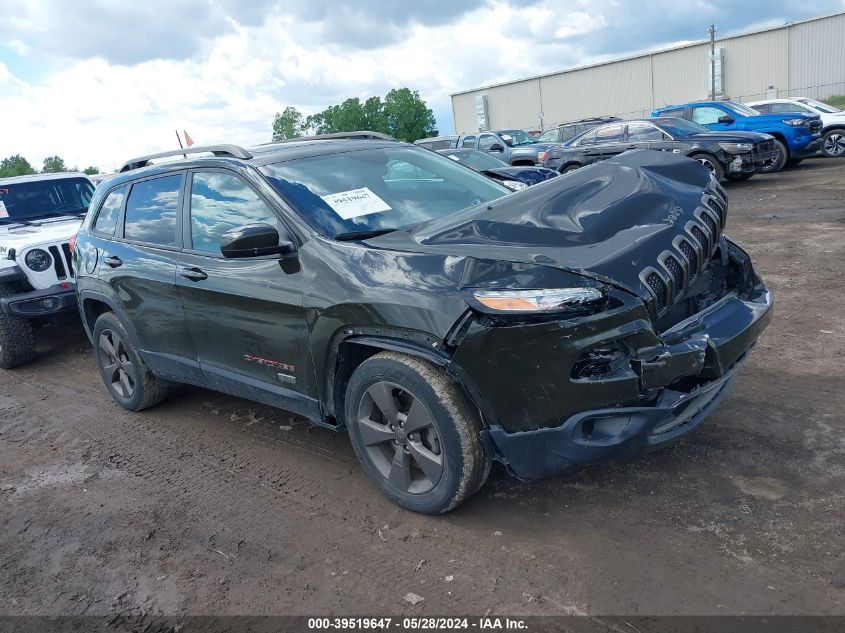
pixel 39 214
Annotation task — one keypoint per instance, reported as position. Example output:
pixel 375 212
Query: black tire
pixel 833 143
pixel 711 164
pixel 17 337
pixel 780 160
pixel 570 168
pixel 125 374
pixel 438 462
pixel 738 177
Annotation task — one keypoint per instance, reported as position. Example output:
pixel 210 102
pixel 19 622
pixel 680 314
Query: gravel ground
pixel 209 504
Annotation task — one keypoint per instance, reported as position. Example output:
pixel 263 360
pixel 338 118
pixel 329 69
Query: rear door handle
pixel 194 274
pixel 113 260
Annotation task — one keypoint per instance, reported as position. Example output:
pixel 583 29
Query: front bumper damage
pixel 52 301
pixel 668 385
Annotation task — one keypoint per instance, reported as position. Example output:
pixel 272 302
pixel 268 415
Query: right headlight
pixel 736 148
pixel 536 301
pixel 38 260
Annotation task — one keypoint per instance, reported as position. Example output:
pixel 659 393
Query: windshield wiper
pixel 361 235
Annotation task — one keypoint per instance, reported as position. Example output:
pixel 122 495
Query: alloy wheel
pixel 708 165
pixel 400 437
pixel 834 144
pixel 115 363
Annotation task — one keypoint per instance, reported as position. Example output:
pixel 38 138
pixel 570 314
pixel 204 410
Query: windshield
pixel 378 189
pixel 517 137
pixel 680 127
pixel 478 161
pixel 30 200
pixel 740 108
pixel 818 105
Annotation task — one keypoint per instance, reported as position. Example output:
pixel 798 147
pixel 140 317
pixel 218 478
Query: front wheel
pixel 570 168
pixel 414 433
pixel 711 164
pixel 833 143
pixel 17 337
pixel 779 161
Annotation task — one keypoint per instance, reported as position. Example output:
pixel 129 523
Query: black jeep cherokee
pixel 439 318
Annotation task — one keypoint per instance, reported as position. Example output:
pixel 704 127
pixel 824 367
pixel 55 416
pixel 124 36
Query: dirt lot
pixel 212 505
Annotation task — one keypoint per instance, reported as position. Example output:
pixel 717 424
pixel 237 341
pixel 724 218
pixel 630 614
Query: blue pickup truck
pixel 796 135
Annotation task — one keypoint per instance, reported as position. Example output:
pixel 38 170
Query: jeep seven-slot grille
pixel 62 261
pixel 675 270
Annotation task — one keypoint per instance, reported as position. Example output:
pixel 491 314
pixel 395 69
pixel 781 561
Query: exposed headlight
pixel 536 301
pixel 38 260
pixel 736 148
pixel 795 122
pixel 515 185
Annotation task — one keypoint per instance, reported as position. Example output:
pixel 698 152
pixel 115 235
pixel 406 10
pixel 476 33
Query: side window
pixel 706 115
pixel 107 217
pixel 643 133
pixel 786 108
pixel 220 202
pixel 610 134
pixel 469 141
pixel 764 108
pixel 486 141
pixel 588 139
pixel 151 211
pixel 570 131
pixel 549 136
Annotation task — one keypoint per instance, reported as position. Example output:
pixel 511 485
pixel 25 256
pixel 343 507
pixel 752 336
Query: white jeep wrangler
pixel 39 214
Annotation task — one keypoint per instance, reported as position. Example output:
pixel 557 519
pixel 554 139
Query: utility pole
pixel 712 31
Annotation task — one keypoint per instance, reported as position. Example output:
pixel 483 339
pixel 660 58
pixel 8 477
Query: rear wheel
pixel 570 168
pixel 710 164
pixel 833 143
pixel 779 161
pixel 17 337
pixel 414 433
pixel 125 374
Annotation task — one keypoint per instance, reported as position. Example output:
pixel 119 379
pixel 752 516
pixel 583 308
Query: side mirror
pixel 726 118
pixel 255 240
pixel 495 147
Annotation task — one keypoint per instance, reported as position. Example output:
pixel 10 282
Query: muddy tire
pixel 17 337
pixel 780 160
pixel 125 374
pixel 414 433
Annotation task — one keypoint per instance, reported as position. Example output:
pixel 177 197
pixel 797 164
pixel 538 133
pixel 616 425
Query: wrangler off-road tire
pixel 17 337
pixel 125 374
pixel 438 425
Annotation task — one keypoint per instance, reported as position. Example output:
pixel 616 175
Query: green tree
pixel 15 165
pixel 91 170
pixel 53 164
pixel 288 124
pixel 408 117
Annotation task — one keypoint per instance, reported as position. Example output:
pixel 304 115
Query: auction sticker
pixel 355 203
pixel 3 212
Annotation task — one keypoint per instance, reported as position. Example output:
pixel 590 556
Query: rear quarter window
pixel 109 211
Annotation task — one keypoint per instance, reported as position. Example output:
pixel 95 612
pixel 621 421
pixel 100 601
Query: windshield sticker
pixel 507 138
pixel 3 212
pixel 355 203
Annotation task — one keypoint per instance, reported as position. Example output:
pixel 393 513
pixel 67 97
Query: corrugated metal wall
pixel 807 58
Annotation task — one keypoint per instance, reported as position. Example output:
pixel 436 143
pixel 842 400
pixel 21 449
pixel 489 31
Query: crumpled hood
pixel 523 174
pixel 609 220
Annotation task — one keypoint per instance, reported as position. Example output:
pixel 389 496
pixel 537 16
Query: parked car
pixel 514 147
pixel 39 215
pixel 731 155
pixel 796 135
pixel 442 320
pixel 833 120
pixel 438 142
pixel 568 131
pixel 98 179
pixel 515 178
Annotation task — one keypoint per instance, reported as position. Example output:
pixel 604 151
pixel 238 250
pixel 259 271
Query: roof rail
pixel 361 134
pixel 233 151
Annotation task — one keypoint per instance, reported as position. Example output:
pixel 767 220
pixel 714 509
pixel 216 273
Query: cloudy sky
pixel 99 81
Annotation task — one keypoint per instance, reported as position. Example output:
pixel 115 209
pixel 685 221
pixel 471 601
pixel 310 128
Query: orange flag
pixel 188 140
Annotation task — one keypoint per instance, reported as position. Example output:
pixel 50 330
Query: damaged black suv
pixel 441 319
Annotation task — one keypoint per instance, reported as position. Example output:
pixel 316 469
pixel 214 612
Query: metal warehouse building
pixel 797 59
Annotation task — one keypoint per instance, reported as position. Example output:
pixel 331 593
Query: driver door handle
pixel 113 260
pixel 194 274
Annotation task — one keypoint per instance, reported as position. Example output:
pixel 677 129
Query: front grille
pixel 676 270
pixel 62 261
pixel 699 235
pixel 690 253
pixel 658 287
